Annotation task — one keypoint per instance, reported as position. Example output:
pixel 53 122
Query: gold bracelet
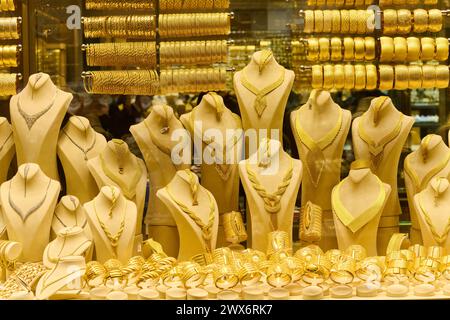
pixel 349 77
pixel 390 21
pixel 225 277
pixel 427 48
pixel 234 227
pixel 362 21
pixel 386 77
pixel 401 77
pixel 428 76
pixel 359 49
pixel 442 76
pixel 318 21
pixel 435 252
pixel 312 50
pixel 339 78
pixel 336 49
pixel 356 252
pixel 353 21
pixel 349 49
pixel 415 77
pixel 371 77
pixel 360 77
pixel 434 20
pixel 370 21
pixel 328 77
pixel 345 21
pixel 413 45
pixel 317 269
pixel 420 17
pixel 317 76
pixel 327 21
pixel 343 271
pixel 441 49
pixel 419 250
pixel 400 49
pixel 309 21
pixel 334 255
pixel 404 21
pixel 387 49
pixel 278 241
pixel 336 21
pixel 278 275
pixel 369 44
pixel 324 49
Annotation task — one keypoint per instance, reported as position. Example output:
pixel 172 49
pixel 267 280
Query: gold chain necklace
pixel 206 229
pixel 440 239
pixel 260 103
pixel 31 119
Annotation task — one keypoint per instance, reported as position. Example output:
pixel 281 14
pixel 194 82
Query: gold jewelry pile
pixel 337 49
pixel 119 4
pixel 192 80
pixel 132 26
pixel 404 21
pixel 176 5
pixel 8 56
pixel 121 54
pixel 192 52
pixel 9 28
pixel 339 21
pixel 193 25
pixel 410 49
pixel 7 5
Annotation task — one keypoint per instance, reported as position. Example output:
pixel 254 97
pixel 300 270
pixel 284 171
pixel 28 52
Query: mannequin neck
pixel 79 128
pixel 439 187
pixel 161 118
pixel 29 174
pixel 109 196
pixel 117 153
pixel 38 87
pixel 212 104
pixel 320 102
pixel 359 177
pixel 384 111
pixel 271 67
pixel 432 147
pixel 70 203
pixel 186 182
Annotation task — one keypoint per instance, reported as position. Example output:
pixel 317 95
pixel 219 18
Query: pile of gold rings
pixel 403 21
pixel 8 56
pixel 132 82
pixel 119 4
pixel 9 28
pixel 410 49
pixel 134 26
pixel 7 5
pixel 8 84
pixel 192 52
pixel 348 76
pixel 193 25
pixel 339 21
pixel 339 3
pixel 193 80
pixel 337 49
pixel 139 54
pixel 176 5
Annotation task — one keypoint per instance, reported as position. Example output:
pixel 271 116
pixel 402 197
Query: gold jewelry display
pixel 135 26
pixel 140 54
pixel 414 49
pixel 343 271
pixel 439 238
pixel 234 227
pixel 278 275
pixel 9 29
pixel 420 17
pixel 310 223
pixel 186 5
pixel 8 56
pixel 119 4
pixel 192 80
pixel 182 25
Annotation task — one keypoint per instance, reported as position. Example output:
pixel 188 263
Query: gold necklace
pixel 264 58
pixel 218 105
pixel 206 229
pixel 315 157
pixel 260 103
pixel 440 239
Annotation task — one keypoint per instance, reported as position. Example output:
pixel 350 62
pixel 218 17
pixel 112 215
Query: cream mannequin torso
pixel 429 161
pixel 123 214
pixel 160 224
pixel 118 158
pixel 357 193
pixel 220 176
pixel 28 202
pixel 7 149
pixel 319 120
pixel 44 107
pixel 433 211
pixel 69 213
pixel 76 139
pixel 270 178
pixel 192 238
pixel 272 116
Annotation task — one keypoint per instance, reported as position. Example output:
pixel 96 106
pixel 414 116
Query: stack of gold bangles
pixel 140 54
pixel 8 56
pixel 7 5
pixel 339 3
pixel 133 82
pixel 119 4
pixel 9 28
pixel 390 3
pixel 193 80
pixel 174 5
pixel 8 83
pixel 348 76
pixel 135 26
pixel 337 49
pixel 410 49
pixel 339 21
pixel 192 52
pixel 401 77
pixel 404 21
pixel 193 25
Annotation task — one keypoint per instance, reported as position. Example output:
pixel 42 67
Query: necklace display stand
pixel 7 149
pixel 69 213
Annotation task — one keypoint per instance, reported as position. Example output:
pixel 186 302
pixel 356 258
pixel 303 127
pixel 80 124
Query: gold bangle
pixel 360 77
pixel 345 21
pixel 415 77
pixel 311 3
pixel 398 2
pixel 359 49
pixel 331 3
pixel 434 20
pixel 441 49
pixel 401 77
pixel 249 274
pixel 369 44
pixel 442 76
pixel 427 48
pixel 278 241
pixel 306 253
pixel 343 271
pixel 309 21
pixel 356 252
pixel 317 269
pixel 312 53
pixel 340 3
pixel 278 275
pixel 225 277
pixel 404 21
pixel 334 255
pixel 420 17
pixel 336 21
pixel 419 250
pixel 359 3
pixel 339 78
pixel 349 3
pixel 387 49
pixel 390 21
pixel 234 227
pixel 328 77
pixel 362 21
pixel 413 45
pixel 327 21
pixel 372 77
pixel 353 21
pixel 400 49
pixel 336 49
pixel 370 24
pixel 428 76
pixel 349 49
pixel 318 21
pixel 193 275
pixel 324 49
pixel 435 252
pixel 370 269
pixel 386 77
pixel 317 76
pixel 349 77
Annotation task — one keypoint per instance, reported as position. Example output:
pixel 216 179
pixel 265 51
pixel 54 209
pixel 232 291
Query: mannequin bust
pixel 77 143
pixel 117 166
pixel 7 149
pixel 358 202
pixel 431 159
pixel 277 177
pixel 432 206
pixel 379 135
pixel 112 220
pixel 262 89
pixel 320 129
pixel 36 116
pixel 154 138
pixel 70 241
pixel 28 202
pixel 195 212
pixel 69 213
pixel 220 133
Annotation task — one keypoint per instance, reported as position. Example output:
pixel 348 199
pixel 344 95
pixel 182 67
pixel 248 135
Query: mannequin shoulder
pixel 131 207
pixel 387 189
pixel 294 114
pixel 184 119
pixel 408 121
pixel 56 186
pixel 65 96
pixel 298 164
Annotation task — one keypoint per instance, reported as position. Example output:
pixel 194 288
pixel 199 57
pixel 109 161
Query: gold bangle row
pixel 8 56
pixel 337 49
pixel 131 82
pixel 139 54
pixel 339 3
pixel 339 21
pixel 427 20
pixel 193 25
pixel 7 5
pixel 173 5
pixel 391 3
pixel 119 4
pixel 135 26
pixel 193 52
pixel 8 84
pixel 413 49
pixel 193 80
pixel 349 77
pixel 403 77
pixel 9 28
